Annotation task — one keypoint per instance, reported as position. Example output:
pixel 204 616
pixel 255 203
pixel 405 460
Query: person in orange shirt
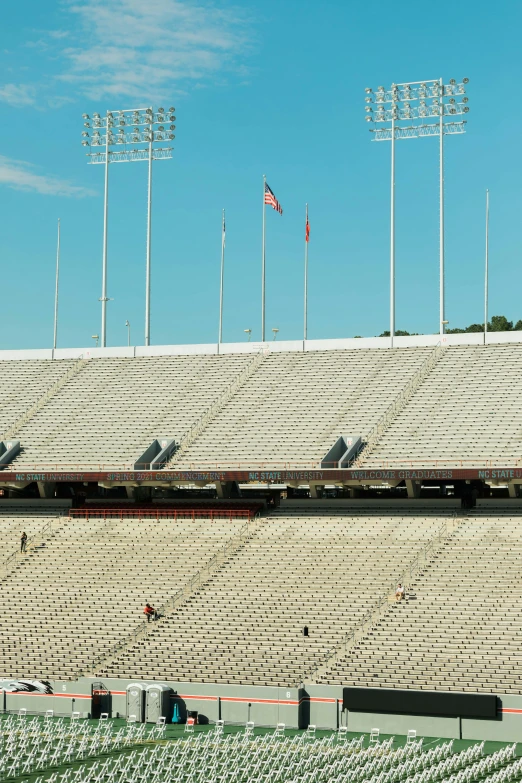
pixel 150 612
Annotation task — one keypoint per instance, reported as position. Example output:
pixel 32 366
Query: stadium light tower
pixel 126 136
pixel 408 108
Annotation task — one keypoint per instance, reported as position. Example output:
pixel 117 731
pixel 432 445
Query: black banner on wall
pixel 393 700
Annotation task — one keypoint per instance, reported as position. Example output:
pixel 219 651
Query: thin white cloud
pixel 21 175
pixel 152 51
pixel 18 94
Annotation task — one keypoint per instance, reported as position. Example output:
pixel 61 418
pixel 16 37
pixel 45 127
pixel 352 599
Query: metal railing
pixel 198 427
pixel 251 465
pixel 398 404
pixel 195 583
pixel 375 613
pixel 32 543
pixel 44 399
pixel 161 513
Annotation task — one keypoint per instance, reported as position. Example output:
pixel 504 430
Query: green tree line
pixel 498 323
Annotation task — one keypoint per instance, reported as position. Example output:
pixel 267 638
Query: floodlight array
pixel 416 131
pixel 416 103
pixel 126 156
pixel 128 126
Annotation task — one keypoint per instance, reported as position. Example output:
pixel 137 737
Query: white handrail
pixel 34 541
pixel 44 399
pixel 398 404
pixel 375 613
pixel 197 581
pixel 198 427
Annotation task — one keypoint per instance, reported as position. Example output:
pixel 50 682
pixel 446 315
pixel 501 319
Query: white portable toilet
pixel 135 701
pixel 157 703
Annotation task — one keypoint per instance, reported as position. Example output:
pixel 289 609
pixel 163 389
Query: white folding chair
pixel 412 736
pixel 374 735
pixel 342 734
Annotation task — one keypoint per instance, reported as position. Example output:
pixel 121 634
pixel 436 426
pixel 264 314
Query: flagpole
pixel 263 267
pixel 220 340
pixel 486 271
pixel 56 288
pixel 305 333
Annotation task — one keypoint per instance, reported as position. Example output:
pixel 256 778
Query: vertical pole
pixel 486 271
pixel 221 280
pixel 149 239
pixel 305 332
pixel 392 232
pixel 56 288
pixel 263 268
pixel 441 214
pixel 105 226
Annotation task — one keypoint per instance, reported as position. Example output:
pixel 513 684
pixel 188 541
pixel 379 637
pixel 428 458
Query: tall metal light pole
pixel 407 107
pixel 55 336
pixel 392 234
pixel 222 278
pixel 486 271
pixel 307 237
pixel 127 324
pixel 120 129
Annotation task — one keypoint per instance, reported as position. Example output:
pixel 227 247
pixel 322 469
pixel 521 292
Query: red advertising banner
pixel 265 476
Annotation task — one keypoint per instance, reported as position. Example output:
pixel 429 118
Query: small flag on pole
pixel 307 229
pixel 271 200
pixel 224 230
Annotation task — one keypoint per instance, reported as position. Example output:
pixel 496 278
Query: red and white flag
pixel 307 229
pixel 272 201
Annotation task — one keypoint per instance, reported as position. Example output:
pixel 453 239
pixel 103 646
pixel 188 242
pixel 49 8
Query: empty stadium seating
pixel 315 569
pixel 460 629
pixel 296 405
pixel 113 409
pixel 467 410
pixel 22 383
pixel 289 412
pixel 86 589
pixel 15 520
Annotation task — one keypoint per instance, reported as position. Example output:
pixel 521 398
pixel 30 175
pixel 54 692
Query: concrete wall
pixel 232 703
pixel 490 504
pixel 320 705
pixel 325 710
pixel 349 343
pixel 448 504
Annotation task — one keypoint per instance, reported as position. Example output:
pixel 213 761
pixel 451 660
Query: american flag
pixel 271 199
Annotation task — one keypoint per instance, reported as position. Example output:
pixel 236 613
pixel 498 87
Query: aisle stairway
pixel 87 589
pixel 460 629
pixel 318 569
pixel 467 411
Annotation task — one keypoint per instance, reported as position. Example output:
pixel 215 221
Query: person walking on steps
pixel 23 541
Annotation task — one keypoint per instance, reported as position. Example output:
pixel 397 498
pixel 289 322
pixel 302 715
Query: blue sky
pixel 259 87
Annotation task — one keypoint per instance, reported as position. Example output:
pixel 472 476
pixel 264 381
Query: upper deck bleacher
pixel 288 411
